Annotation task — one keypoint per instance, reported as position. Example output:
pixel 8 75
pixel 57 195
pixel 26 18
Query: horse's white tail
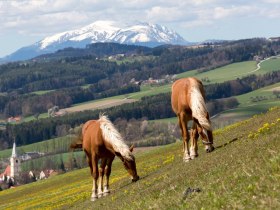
pixel 198 107
pixel 112 135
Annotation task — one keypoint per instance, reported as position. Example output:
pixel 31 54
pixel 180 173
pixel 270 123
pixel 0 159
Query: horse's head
pixel 207 140
pixel 130 165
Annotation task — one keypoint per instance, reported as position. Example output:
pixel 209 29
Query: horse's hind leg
pixel 185 134
pixel 194 138
pixel 107 174
pixel 95 174
pixel 101 176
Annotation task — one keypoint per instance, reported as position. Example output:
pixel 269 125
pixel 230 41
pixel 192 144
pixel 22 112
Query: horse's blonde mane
pixel 199 110
pixel 112 135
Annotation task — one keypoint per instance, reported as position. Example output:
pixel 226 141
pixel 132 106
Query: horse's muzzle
pixel 210 148
pixel 135 179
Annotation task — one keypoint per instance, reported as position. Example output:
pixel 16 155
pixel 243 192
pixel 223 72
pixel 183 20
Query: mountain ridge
pixel 143 34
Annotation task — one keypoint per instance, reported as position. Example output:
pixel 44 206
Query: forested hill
pixel 72 69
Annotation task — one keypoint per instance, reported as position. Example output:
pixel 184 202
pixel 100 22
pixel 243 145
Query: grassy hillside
pixel 225 73
pixel 255 102
pixel 242 173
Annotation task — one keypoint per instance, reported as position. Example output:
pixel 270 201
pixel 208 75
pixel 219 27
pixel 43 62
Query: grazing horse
pixel 100 140
pixel 188 103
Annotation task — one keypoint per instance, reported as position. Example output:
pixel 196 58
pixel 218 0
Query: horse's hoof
pixel 106 193
pixel 93 198
pixel 100 195
pixel 187 159
pixel 194 156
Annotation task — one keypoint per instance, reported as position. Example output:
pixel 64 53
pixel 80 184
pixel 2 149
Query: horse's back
pixel 94 142
pixel 184 84
pixel 91 134
pixel 180 93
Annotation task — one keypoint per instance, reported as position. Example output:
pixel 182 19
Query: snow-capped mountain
pixel 147 34
pixel 101 31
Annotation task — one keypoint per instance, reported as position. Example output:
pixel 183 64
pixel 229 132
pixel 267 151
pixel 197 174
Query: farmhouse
pixel 6 174
pixel 31 155
pixel 14 119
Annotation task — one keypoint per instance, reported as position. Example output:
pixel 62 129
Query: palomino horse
pixel 100 140
pixel 188 103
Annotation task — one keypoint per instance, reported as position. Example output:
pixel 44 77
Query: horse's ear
pixel 131 148
pixel 119 155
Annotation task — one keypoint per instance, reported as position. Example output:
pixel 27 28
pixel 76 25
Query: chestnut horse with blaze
pixel 188 103
pixel 100 140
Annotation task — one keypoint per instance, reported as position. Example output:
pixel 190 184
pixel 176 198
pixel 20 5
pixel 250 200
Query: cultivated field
pixel 242 173
pixel 102 104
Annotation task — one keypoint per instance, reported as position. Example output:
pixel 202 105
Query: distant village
pixel 52 112
pixel 13 176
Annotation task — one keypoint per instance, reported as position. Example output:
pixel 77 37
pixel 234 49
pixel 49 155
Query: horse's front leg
pixel 194 138
pixel 185 134
pixel 107 174
pixel 95 174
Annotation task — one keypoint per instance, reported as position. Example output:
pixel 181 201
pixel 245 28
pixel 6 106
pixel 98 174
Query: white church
pixel 14 168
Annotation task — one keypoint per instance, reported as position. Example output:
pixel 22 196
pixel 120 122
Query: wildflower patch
pixel 265 129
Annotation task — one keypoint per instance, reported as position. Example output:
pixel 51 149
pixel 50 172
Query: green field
pixel 48 146
pixel 225 73
pixel 248 108
pixel 267 92
pixel 42 92
pixel 242 173
pixel 270 65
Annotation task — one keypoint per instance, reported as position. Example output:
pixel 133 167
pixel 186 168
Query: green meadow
pixel 241 173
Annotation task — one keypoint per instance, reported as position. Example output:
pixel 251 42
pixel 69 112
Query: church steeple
pixel 14 152
pixel 15 162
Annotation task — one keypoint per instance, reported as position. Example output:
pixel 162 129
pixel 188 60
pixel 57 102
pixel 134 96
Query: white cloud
pixel 40 18
pixel 203 2
pixel 271 1
pixel 196 23
pixel 222 12
pixel 165 14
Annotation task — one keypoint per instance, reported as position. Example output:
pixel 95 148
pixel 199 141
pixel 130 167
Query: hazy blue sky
pixel 24 22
